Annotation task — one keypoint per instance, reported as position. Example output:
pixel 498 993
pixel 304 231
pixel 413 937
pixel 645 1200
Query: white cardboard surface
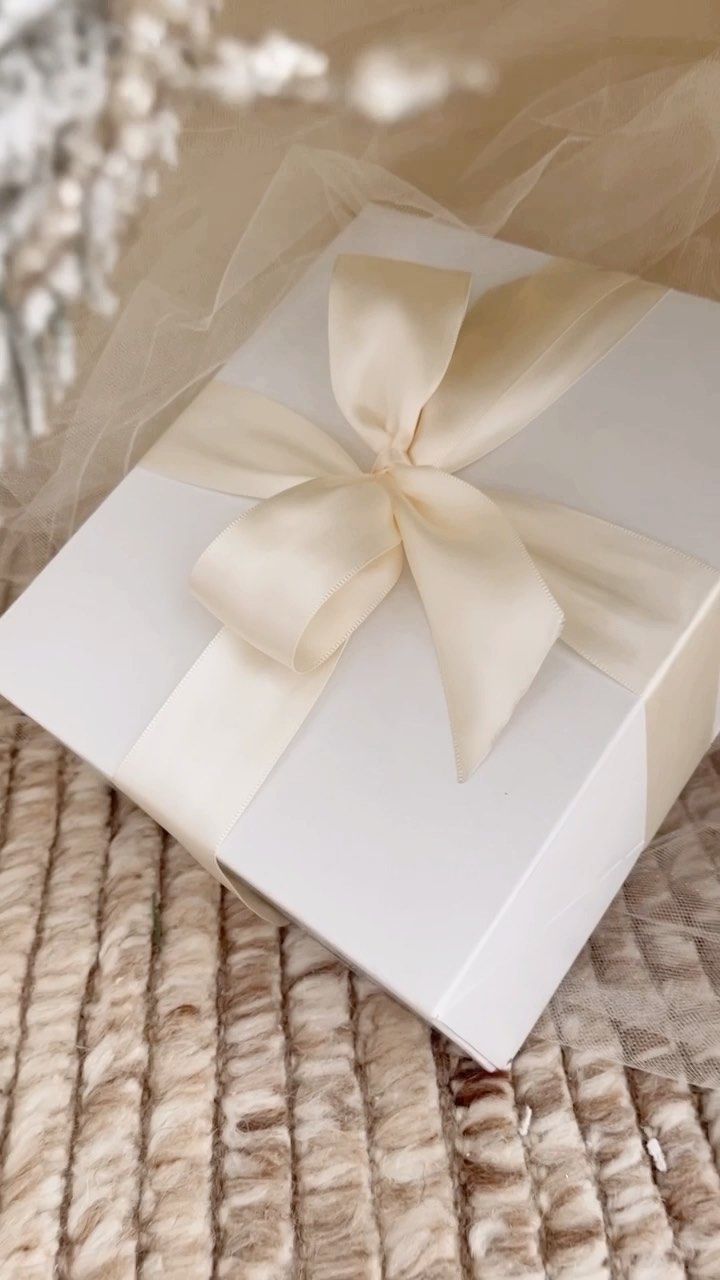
pixel 470 902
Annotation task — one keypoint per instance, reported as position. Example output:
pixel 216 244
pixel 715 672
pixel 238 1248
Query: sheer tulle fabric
pixel 601 143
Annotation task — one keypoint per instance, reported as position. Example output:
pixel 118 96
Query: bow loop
pixel 392 328
pixel 522 345
pixel 295 575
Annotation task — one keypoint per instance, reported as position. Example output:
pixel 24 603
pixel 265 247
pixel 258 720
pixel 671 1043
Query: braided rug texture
pixel 187 1092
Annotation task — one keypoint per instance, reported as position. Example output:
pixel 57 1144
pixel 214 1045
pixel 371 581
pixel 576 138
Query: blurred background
pixel 587 128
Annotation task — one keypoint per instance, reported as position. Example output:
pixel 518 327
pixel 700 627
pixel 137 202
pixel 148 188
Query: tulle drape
pixel 602 142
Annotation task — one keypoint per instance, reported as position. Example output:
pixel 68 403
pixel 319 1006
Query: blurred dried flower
pixel 88 117
pixel 390 84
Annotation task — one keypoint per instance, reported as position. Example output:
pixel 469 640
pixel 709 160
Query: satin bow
pixel 430 391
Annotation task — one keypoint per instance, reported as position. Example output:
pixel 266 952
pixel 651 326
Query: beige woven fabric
pixel 186 1092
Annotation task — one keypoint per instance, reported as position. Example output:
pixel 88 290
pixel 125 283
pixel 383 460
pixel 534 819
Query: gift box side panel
pixel 546 922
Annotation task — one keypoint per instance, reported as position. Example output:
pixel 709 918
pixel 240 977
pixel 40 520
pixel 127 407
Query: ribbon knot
pixel 389 457
pixel 429 391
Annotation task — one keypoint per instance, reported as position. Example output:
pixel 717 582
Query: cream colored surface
pixel 295 575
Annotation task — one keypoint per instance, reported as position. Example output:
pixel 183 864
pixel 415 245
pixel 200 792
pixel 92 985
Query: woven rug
pixel 187 1092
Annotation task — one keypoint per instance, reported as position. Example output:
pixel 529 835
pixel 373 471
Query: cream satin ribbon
pixel 429 391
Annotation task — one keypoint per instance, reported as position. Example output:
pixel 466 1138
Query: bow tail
pixel 492 618
pixel 628 600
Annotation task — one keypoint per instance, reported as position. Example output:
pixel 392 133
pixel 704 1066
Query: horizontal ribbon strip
pixel 500 575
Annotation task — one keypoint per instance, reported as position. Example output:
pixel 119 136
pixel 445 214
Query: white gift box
pixel 469 903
